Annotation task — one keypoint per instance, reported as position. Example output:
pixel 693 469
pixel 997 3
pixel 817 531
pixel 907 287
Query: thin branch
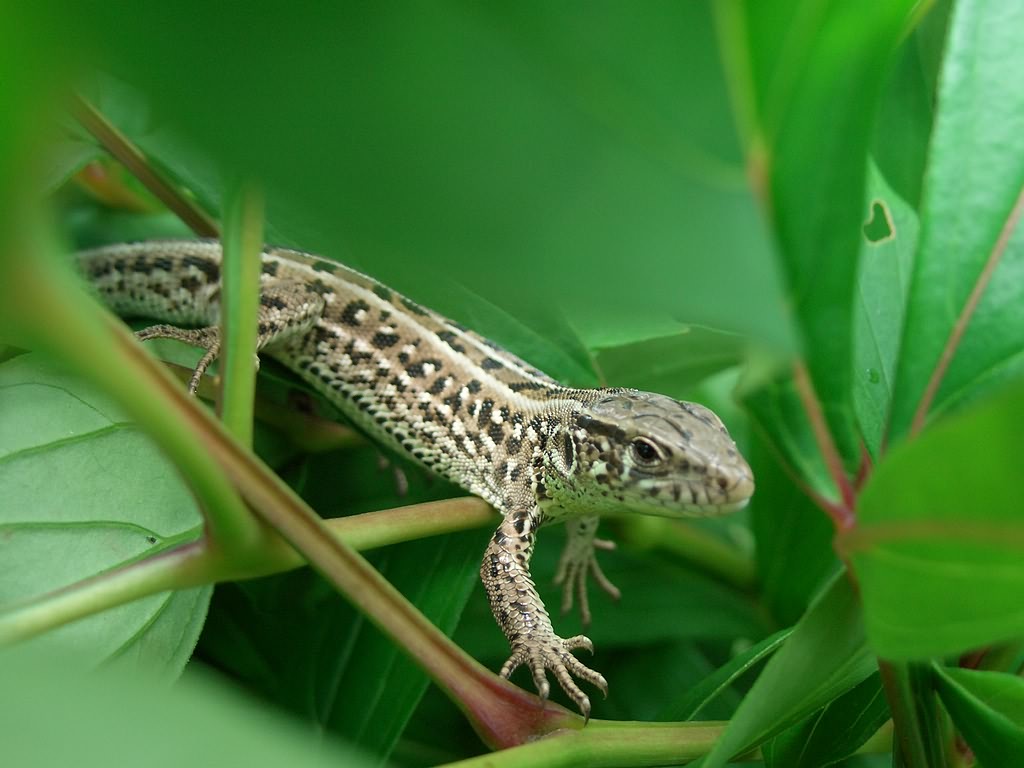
pixel 953 342
pixel 196 563
pixel 865 468
pixel 185 566
pixel 132 158
pixel 842 515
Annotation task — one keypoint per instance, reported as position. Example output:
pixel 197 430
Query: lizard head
pixel 649 453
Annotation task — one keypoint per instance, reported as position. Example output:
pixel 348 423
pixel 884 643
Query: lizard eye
pixel 644 451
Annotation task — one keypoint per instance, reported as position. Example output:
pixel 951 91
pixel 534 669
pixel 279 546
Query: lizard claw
pixel 555 654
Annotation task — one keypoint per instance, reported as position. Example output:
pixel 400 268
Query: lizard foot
pixel 555 654
pixel 204 338
pixel 207 339
pixel 577 561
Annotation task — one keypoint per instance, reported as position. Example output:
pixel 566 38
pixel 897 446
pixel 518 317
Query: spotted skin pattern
pixel 461 406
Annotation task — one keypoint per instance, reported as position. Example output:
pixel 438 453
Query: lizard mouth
pixel 732 506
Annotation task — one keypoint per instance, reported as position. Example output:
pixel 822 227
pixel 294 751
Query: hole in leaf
pixel 880 228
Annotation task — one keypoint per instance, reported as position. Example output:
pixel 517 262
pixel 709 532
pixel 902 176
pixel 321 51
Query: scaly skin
pixel 464 408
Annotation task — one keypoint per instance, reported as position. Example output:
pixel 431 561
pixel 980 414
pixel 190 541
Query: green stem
pixel 630 745
pixel 908 735
pixel 188 565
pixel 194 563
pixel 240 299
pixel 606 744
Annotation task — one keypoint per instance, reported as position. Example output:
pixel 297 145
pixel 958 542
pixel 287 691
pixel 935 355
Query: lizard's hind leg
pixel 579 559
pixel 207 338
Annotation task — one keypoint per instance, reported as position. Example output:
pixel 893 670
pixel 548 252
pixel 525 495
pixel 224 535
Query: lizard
pixel 463 407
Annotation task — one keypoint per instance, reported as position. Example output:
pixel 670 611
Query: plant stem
pixel 842 515
pixel 611 744
pixel 132 158
pixel 195 563
pixel 240 299
pixel 907 728
pixel 184 566
pixel 607 744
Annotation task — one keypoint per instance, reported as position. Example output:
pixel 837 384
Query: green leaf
pixel 65 158
pixel 55 717
pixel 939 534
pixel 698 697
pixel 816 73
pixel 779 419
pixel 906 110
pixel 794 539
pixel 672 363
pixel 825 656
pixel 975 178
pixel 647 676
pixel 834 732
pixel 988 708
pixel 886 261
pixel 85 491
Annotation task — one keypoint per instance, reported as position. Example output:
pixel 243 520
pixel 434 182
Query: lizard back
pixel 410 377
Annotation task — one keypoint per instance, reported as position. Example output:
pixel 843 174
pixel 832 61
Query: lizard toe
pixel 555 656
pixel 578 641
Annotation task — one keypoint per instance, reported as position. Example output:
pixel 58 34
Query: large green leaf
pixel 825 656
pixel 601 185
pixel 975 178
pixel 939 536
pixel 816 71
pixel 988 708
pixel 55 716
pixel 84 492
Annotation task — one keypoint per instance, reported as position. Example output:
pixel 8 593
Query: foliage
pixel 804 214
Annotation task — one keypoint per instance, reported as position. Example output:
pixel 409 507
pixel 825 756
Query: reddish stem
pixel 816 498
pixel 132 158
pixel 864 470
pixel 953 342
pixel 841 514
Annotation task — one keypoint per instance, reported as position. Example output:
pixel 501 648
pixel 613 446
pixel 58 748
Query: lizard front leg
pixel 520 612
